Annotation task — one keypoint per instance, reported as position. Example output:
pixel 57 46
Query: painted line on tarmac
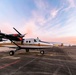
pixel 7 65
pixel 14 73
pixel 10 57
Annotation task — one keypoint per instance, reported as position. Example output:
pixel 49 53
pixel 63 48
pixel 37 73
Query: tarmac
pixel 55 61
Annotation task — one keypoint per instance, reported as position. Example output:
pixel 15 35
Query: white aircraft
pixel 30 44
pixel 25 43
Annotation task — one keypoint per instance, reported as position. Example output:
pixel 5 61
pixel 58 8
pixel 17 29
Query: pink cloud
pixel 71 3
pixel 29 28
pixel 69 39
pixel 6 27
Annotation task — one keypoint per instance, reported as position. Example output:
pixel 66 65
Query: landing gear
pixel 27 50
pixel 11 53
pixel 42 52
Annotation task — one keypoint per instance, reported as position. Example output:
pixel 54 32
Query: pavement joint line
pixel 23 66
pixel 38 73
pixel 56 71
pixel 59 60
pixel 53 59
pixel 68 69
pixel 50 63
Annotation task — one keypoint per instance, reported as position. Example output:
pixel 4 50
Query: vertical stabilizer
pixel 38 39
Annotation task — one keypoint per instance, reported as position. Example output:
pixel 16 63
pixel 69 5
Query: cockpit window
pixel 35 40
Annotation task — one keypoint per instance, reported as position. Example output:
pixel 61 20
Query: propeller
pixel 20 35
pixel 2 34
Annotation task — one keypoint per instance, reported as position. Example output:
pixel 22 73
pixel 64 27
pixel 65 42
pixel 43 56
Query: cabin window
pixel 26 41
pixel 35 40
pixel 29 41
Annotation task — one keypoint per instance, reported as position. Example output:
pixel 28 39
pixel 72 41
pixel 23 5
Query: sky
pixel 50 20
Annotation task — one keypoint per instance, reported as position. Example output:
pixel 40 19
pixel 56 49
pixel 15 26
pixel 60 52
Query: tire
pixel 11 53
pixel 42 52
pixel 27 50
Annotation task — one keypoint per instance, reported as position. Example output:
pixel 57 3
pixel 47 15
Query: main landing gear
pixel 27 50
pixel 42 52
pixel 11 53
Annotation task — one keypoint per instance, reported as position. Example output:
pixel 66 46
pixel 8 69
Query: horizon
pixel 50 20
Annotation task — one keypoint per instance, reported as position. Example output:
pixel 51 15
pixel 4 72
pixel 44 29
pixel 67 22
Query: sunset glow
pixel 50 20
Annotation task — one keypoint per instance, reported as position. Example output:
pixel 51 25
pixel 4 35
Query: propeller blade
pixel 17 31
pixel 24 35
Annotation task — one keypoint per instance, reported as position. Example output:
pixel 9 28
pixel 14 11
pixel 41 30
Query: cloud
pixel 29 28
pixel 71 4
pixel 53 24
pixel 65 40
pixel 6 27
pixel 55 11
pixel 46 22
pixel 49 26
pixel 38 17
pixel 41 4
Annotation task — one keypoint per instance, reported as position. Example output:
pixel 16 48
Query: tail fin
pixel 38 39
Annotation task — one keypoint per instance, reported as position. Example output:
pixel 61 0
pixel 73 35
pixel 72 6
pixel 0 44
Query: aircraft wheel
pixel 11 53
pixel 27 50
pixel 42 52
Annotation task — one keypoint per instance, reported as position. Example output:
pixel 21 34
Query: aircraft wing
pixel 29 47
